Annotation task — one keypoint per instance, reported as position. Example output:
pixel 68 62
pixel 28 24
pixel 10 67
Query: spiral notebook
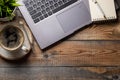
pixel 102 10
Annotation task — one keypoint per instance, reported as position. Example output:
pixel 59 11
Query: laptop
pixel 52 20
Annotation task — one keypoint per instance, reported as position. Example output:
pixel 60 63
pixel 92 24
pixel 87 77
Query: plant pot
pixel 5 19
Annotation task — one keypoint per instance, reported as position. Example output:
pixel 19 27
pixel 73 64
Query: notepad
pixel 102 10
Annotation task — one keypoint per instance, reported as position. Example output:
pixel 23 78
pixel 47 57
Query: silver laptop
pixel 52 20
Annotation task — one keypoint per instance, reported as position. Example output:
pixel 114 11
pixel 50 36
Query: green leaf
pixel 7 7
pixel 7 1
pixel 1 2
pixel 0 12
pixel 15 4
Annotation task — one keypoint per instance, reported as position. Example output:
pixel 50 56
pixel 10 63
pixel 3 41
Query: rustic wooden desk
pixel 92 53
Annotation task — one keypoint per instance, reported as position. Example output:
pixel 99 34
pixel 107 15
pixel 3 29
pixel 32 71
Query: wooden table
pixel 91 53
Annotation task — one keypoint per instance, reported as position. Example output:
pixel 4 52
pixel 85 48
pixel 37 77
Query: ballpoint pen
pixel 99 7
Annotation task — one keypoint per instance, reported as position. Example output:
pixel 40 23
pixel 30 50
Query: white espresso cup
pixel 11 38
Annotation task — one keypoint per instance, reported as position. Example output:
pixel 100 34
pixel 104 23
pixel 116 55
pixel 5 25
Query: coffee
pixel 11 37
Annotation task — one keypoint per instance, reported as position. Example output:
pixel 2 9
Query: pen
pixel 96 2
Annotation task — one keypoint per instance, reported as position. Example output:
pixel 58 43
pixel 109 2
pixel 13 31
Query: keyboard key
pixel 65 1
pixel 39 14
pixel 43 7
pixel 33 12
pixel 41 17
pixel 47 9
pixel 38 9
pixel 31 2
pixel 55 1
pixel 52 7
pixel 45 15
pixel 43 1
pixel 51 2
pixel 63 6
pixel 43 12
pixel 56 5
pixel 49 13
pixel 60 2
pixel 36 20
pixel 36 15
pixel 39 3
pixel 30 8
pixel 47 4
pixel 35 6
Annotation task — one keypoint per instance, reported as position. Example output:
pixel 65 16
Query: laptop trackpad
pixel 74 17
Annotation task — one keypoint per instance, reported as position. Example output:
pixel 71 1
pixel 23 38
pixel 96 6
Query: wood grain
pixel 57 73
pixel 98 32
pixel 86 53
pixel 72 53
pixel 45 74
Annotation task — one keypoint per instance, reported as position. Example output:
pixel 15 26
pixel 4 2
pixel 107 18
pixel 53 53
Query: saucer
pixel 26 45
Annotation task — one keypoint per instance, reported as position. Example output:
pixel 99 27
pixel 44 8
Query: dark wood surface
pixel 91 53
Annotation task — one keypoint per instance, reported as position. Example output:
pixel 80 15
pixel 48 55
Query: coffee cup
pixel 11 38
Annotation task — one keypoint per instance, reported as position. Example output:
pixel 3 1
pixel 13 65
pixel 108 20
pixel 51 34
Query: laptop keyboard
pixel 41 9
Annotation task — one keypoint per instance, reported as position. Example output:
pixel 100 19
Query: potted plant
pixel 7 9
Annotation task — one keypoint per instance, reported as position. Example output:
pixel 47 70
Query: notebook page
pixel 107 6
